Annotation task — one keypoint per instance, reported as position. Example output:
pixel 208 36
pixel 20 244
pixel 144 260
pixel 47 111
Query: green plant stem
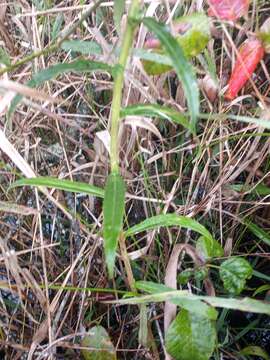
pixel 119 83
pixel 56 44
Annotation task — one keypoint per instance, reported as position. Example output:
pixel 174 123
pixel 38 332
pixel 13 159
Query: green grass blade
pixel 168 220
pixel 182 67
pixel 58 69
pixel 67 185
pixel 113 211
pixel 177 296
pixel 155 110
pixel 259 232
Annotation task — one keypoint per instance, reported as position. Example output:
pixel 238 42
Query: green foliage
pixel 84 66
pixel 245 304
pixel 190 336
pixel 118 11
pixel 197 273
pixel 113 212
pixel 4 57
pixel 208 247
pixel 57 25
pixel 154 110
pixel 255 351
pixel 99 344
pixel 81 46
pixel 259 232
pixel 67 185
pixel 167 220
pixel 234 272
pixel 192 34
pixel 182 67
pixel 196 307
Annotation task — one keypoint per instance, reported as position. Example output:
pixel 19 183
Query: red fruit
pixel 251 53
pixel 228 9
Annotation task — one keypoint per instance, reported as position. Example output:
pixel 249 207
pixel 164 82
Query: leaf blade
pixel 182 67
pixel 113 211
pixel 67 185
pixel 190 337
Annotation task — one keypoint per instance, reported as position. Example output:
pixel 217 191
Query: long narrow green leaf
pixel 182 67
pixel 58 69
pixel 155 110
pixel 67 185
pixel 168 220
pixel 197 307
pixel 176 296
pixel 259 232
pixel 113 211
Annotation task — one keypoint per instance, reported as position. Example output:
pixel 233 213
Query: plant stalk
pixel 119 84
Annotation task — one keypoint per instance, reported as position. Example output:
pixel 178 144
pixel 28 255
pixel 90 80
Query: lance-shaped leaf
pixel 168 220
pixel 192 33
pixel 67 185
pixel 182 67
pixel 190 336
pixel 113 212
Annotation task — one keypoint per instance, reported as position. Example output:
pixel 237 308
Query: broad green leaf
pixel 198 274
pixel 99 344
pixel 118 11
pixel 52 72
pixel 259 232
pixel 176 296
pixel 196 306
pixel 192 34
pixel 67 185
pixel 82 47
pixel 255 351
pixel 168 220
pixel 113 212
pixel 153 67
pixel 234 272
pixel 190 336
pixel 208 248
pixel 155 110
pixel 182 67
